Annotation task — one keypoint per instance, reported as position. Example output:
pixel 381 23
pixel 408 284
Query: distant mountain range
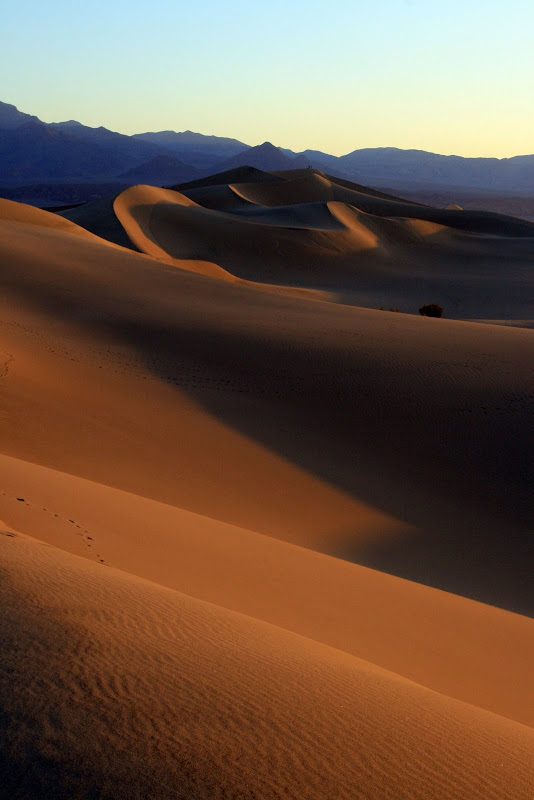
pixel 202 152
pixel 43 159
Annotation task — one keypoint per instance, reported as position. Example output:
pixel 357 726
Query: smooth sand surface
pixel 197 472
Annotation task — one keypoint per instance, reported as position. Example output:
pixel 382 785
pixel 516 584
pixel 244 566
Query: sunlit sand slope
pixel 124 689
pixel 390 622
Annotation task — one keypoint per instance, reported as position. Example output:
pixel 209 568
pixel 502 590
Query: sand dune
pixel 316 187
pixel 167 696
pixel 29 215
pixel 309 231
pixel 374 616
pixel 265 384
pixel 204 449
pixel 98 217
pixel 311 187
pixel 136 208
pixel 241 174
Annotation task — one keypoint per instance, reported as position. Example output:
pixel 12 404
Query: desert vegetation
pixel 431 310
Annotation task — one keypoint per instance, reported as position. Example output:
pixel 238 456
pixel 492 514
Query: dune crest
pixel 134 209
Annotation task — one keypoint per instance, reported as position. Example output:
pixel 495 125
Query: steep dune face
pixel 173 228
pixel 98 217
pixel 211 467
pixel 137 208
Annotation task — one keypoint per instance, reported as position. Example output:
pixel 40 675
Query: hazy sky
pixel 452 77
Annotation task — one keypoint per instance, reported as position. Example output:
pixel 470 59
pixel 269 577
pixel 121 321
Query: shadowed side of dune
pixel 20 213
pixel 99 217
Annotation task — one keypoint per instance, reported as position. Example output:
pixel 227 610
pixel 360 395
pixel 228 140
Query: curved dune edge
pixel 307 188
pixel 388 621
pixel 157 222
pixel 186 699
pixel 311 186
pixel 135 208
pixel 424 227
pixel 312 204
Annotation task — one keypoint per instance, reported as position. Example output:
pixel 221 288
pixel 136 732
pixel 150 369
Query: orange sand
pixel 202 456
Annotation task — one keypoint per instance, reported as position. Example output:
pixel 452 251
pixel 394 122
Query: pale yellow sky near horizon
pixel 451 79
pixel 487 140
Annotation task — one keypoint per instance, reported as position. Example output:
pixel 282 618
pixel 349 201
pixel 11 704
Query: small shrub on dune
pixel 431 310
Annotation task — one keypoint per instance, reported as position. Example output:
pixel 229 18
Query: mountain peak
pixel 266 147
pixel 265 157
pixel 11 117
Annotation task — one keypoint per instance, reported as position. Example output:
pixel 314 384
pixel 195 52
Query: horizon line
pixel 268 141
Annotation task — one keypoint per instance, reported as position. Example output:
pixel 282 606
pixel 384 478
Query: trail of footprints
pixel 6 359
pixel 78 529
